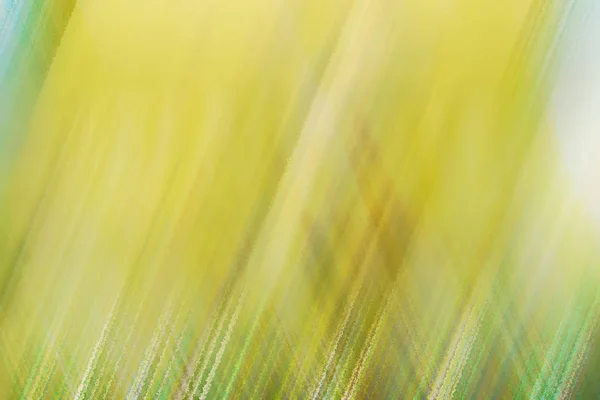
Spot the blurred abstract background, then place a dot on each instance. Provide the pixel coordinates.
(299, 199)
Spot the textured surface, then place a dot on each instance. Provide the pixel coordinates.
(292, 199)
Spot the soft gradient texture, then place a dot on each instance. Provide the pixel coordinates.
(299, 199)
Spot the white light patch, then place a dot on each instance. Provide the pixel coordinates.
(576, 107)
